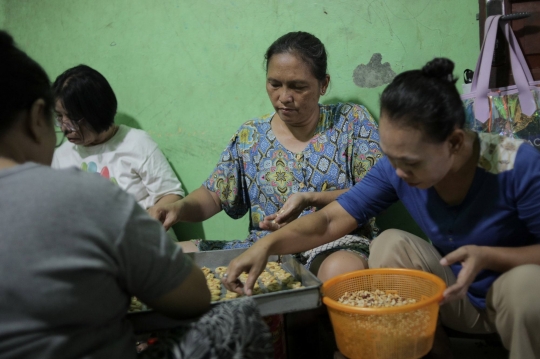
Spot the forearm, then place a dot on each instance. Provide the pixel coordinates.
(310, 231)
(502, 259)
(321, 199)
(165, 200)
(198, 206)
(168, 198)
(188, 300)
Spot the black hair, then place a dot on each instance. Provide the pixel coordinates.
(425, 99)
(86, 94)
(22, 82)
(310, 49)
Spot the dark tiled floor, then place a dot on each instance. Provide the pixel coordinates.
(476, 349)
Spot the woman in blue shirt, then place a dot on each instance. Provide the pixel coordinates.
(476, 196)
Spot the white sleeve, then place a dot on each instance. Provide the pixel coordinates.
(55, 163)
(158, 178)
(59, 153)
(65, 156)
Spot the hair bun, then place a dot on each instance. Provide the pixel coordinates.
(441, 68)
(6, 40)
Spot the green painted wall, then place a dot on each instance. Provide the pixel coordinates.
(190, 72)
(2, 13)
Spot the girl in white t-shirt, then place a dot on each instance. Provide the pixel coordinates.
(85, 107)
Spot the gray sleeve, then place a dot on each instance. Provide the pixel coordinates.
(151, 264)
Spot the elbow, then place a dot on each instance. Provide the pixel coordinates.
(189, 300)
(198, 305)
(204, 302)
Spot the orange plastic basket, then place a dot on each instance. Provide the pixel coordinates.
(404, 332)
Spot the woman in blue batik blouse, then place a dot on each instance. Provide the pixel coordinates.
(291, 162)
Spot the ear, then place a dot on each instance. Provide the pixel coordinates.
(456, 140)
(324, 84)
(38, 123)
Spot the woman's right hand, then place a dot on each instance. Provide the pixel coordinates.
(290, 211)
(252, 261)
(198, 206)
(167, 214)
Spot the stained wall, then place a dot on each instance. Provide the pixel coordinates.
(190, 72)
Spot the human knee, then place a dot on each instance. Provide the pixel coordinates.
(188, 246)
(385, 247)
(340, 262)
(517, 291)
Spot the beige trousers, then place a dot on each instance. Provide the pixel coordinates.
(513, 302)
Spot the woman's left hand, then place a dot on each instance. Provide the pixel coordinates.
(292, 208)
(472, 261)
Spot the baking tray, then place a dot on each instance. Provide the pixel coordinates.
(281, 302)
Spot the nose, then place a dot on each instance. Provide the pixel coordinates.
(66, 124)
(401, 173)
(63, 123)
(285, 95)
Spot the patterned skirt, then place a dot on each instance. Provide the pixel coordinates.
(230, 330)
